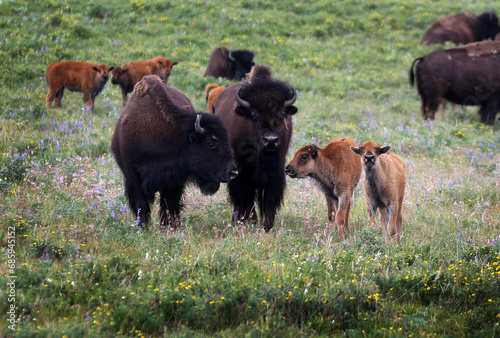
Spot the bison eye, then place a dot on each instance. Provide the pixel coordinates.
(212, 142)
(304, 157)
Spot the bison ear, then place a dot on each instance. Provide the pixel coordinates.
(314, 153)
(125, 70)
(356, 150)
(95, 69)
(175, 63)
(291, 110)
(111, 68)
(383, 150)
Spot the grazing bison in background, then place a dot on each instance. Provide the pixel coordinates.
(462, 28)
(132, 72)
(258, 116)
(336, 170)
(231, 64)
(467, 75)
(384, 185)
(88, 78)
(161, 144)
(212, 91)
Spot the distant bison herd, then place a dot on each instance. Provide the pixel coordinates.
(161, 143)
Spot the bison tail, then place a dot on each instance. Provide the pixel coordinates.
(412, 74)
(208, 89)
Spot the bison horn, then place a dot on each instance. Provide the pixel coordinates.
(230, 56)
(240, 101)
(292, 99)
(197, 125)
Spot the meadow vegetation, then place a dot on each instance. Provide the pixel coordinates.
(84, 268)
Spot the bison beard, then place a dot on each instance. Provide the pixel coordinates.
(161, 144)
(257, 114)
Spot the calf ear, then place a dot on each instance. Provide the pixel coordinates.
(95, 69)
(111, 68)
(291, 110)
(125, 70)
(175, 63)
(314, 153)
(356, 150)
(383, 150)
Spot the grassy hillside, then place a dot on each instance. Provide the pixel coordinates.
(79, 264)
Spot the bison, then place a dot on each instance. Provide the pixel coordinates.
(258, 116)
(231, 64)
(466, 75)
(384, 185)
(336, 170)
(132, 72)
(462, 28)
(212, 91)
(160, 144)
(88, 78)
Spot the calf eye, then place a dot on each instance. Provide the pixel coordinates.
(304, 157)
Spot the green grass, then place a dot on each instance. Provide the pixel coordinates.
(84, 269)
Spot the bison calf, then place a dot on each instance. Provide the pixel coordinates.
(336, 170)
(212, 91)
(85, 77)
(161, 144)
(132, 72)
(384, 185)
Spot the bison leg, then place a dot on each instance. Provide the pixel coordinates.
(332, 208)
(242, 196)
(372, 211)
(488, 112)
(124, 97)
(89, 100)
(170, 205)
(59, 95)
(272, 196)
(399, 220)
(139, 202)
(340, 219)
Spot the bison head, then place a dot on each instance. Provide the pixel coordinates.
(117, 75)
(166, 66)
(489, 26)
(302, 163)
(209, 154)
(240, 63)
(268, 105)
(102, 71)
(369, 152)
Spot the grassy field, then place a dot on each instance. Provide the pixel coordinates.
(74, 264)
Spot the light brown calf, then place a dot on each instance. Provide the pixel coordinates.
(88, 78)
(212, 91)
(384, 184)
(132, 72)
(336, 170)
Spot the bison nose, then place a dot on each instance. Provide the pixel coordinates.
(233, 173)
(270, 141)
(369, 159)
(113, 81)
(289, 171)
(105, 77)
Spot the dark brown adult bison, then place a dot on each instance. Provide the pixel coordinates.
(462, 28)
(258, 116)
(231, 64)
(88, 78)
(468, 75)
(161, 144)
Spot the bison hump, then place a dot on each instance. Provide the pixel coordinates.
(482, 48)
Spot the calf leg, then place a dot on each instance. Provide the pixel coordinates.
(342, 216)
(124, 97)
(59, 96)
(331, 205)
